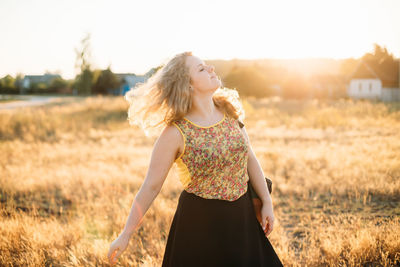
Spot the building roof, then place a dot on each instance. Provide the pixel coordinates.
(46, 78)
(388, 76)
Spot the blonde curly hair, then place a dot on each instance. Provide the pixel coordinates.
(166, 97)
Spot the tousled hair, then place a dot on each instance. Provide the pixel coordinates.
(166, 97)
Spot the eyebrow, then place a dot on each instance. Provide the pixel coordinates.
(199, 65)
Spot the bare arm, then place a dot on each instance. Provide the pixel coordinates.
(163, 156)
(256, 174)
(265, 214)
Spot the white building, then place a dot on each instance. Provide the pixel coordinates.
(369, 83)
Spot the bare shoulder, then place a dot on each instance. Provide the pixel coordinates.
(170, 133)
(171, 139)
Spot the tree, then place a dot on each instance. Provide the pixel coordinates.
(39, 88)
(248, 81)
(106, 80)
(381, 60)
(380, 54)
(84, 80)
(58, 85)
(7, 85)
(19, 83)
(8, 82)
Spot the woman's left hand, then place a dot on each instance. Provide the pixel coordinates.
(267, 218)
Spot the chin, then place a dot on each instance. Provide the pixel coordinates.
(218, 85)
(215, 88)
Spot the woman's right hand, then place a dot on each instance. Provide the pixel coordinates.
(117, 247)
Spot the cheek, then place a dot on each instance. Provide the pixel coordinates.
(201, 80)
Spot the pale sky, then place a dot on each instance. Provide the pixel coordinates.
(133, 36)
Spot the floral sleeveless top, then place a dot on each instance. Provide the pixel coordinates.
(213, 163)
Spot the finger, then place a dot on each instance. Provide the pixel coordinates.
(115, 259)
(264, 222)
(270, 220)
(118, 254)
(112, 257)
(266, 232)
(270, 228)
(110, 251)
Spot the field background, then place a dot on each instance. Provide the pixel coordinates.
(69, 174)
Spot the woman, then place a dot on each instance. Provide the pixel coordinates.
(214, 223)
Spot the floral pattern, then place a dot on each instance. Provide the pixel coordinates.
(213, 163)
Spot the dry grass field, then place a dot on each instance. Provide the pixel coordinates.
(69, 174)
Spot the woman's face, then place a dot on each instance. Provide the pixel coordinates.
(202, 76)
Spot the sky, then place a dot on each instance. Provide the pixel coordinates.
(38, 36)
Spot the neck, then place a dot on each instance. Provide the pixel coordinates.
(203, 107)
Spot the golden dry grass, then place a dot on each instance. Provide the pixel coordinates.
(69, 174)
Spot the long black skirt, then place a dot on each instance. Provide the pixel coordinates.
(214, 232)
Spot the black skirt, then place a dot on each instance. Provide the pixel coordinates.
(214, 232)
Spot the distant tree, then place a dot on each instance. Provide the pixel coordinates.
(7, 85)
(84, 80)
(18, 83)
(8, 82)
(107, 80)
(248, 81)
(380, 54)
(381, 60)
(58, 85)
(96, 75)
(39, 88)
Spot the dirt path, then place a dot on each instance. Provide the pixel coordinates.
(32, 100)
